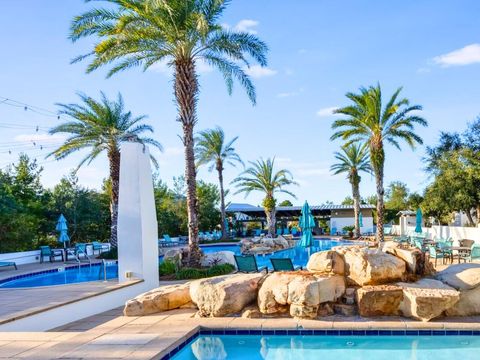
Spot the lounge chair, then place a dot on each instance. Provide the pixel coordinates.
(284, 264)
(279, 232)
(8, 263)
(81, 250)
(100, 247)
(169, 240)
(258, 232)
(286, 231)
(333, 231)
(294, 231)
(46, 251)
(387, 230)
(248, 264)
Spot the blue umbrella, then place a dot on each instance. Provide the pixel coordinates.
(307, 223)
(418, 227)
(360, 220)
(62, 228)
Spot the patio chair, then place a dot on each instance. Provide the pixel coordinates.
(467, 243)
(333, 231)
(81, 250)
(294, 231)
(434, 254)
(100, 247)
(387, 230)
(286, 231)
(46, 251)
(474, 253)
(169, 240)
(8, 263)
(279, 232)
(284, 264)
(248, 264)
(258, 232)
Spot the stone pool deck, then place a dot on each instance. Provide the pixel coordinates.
(111, 335)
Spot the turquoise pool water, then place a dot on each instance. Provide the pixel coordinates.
(75, 274)
(253, 347)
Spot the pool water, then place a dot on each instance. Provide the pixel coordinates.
(259, 347)
(70, 275)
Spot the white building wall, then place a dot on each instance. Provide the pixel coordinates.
(340, 222)
(456, 232)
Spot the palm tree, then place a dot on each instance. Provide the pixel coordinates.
(352, 160)
(261, 176)
(370, 121)
(179, 33)
(101, 126)
(211, 147)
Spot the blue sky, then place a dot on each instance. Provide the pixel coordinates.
(319, 50)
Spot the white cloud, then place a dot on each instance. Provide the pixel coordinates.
(467, 55)
(247, 25)
(39, 138)
(256, 71)
(328, 111)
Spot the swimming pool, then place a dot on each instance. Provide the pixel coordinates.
(95, 272)
(287, 347)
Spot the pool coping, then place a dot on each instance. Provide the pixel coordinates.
(20, 315)
(182, 342)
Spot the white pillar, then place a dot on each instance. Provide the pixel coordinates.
(137, 219)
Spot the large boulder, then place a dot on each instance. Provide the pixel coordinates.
(326, 262)
(300, 293)
(224, 295)
(427, 299)
(281, 242)
(379, 300)
(160, 299)
(219, 257)
(364, 266)
(414, 258)
(466, 279)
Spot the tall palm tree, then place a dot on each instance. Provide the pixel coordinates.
(370, 121)
(352, 160)
(261, 176)
(101, 126)
(179, 33)
(212, 148)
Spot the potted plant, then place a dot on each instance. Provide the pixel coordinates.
(349, 229)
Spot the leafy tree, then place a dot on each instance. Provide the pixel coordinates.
(212, 148)
(208, 200)
(347, 201)
(352, 160)
(368, 120)
(182, 33)
(285, 203)
(101, 126)
(261, 176)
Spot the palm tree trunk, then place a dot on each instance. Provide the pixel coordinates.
(377, 156)
(114, 160)
(470, 218)
(186, 91)
(222, 202)
(356, 207)
(271, 222)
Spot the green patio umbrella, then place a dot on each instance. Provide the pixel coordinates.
(62, 228)
(307, 223)
(360, 220)
(418, 227)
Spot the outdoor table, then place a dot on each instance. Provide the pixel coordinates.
(460, 249)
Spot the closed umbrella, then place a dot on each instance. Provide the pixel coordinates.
(307, 223)
(360, 220)
(62, 228)
(418, 227)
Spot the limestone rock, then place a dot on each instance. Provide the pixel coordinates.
(379, 300)
(224, 295)
(251, 312)
(219, 257)
(466, 279)
(345, 310)
(161, 299)
(364, 266)
(427, 299)
(413, 257)
(281, 242)
(325, 262)
(301, 293)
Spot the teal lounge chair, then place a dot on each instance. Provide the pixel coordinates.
(248, 264)
(387, 230)
(169, 240)
(279, 232)
(100, 247)
(294, 231)
(81, 250)
(46, 251)
(286, 231)
(8, 263)
(258, 232)
(333, 231)
(284, 264)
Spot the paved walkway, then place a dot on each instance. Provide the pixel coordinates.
(111, 335)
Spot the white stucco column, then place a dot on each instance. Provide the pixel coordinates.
(137, 219)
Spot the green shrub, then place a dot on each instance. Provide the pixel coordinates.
(167, 267)
(216, 270)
